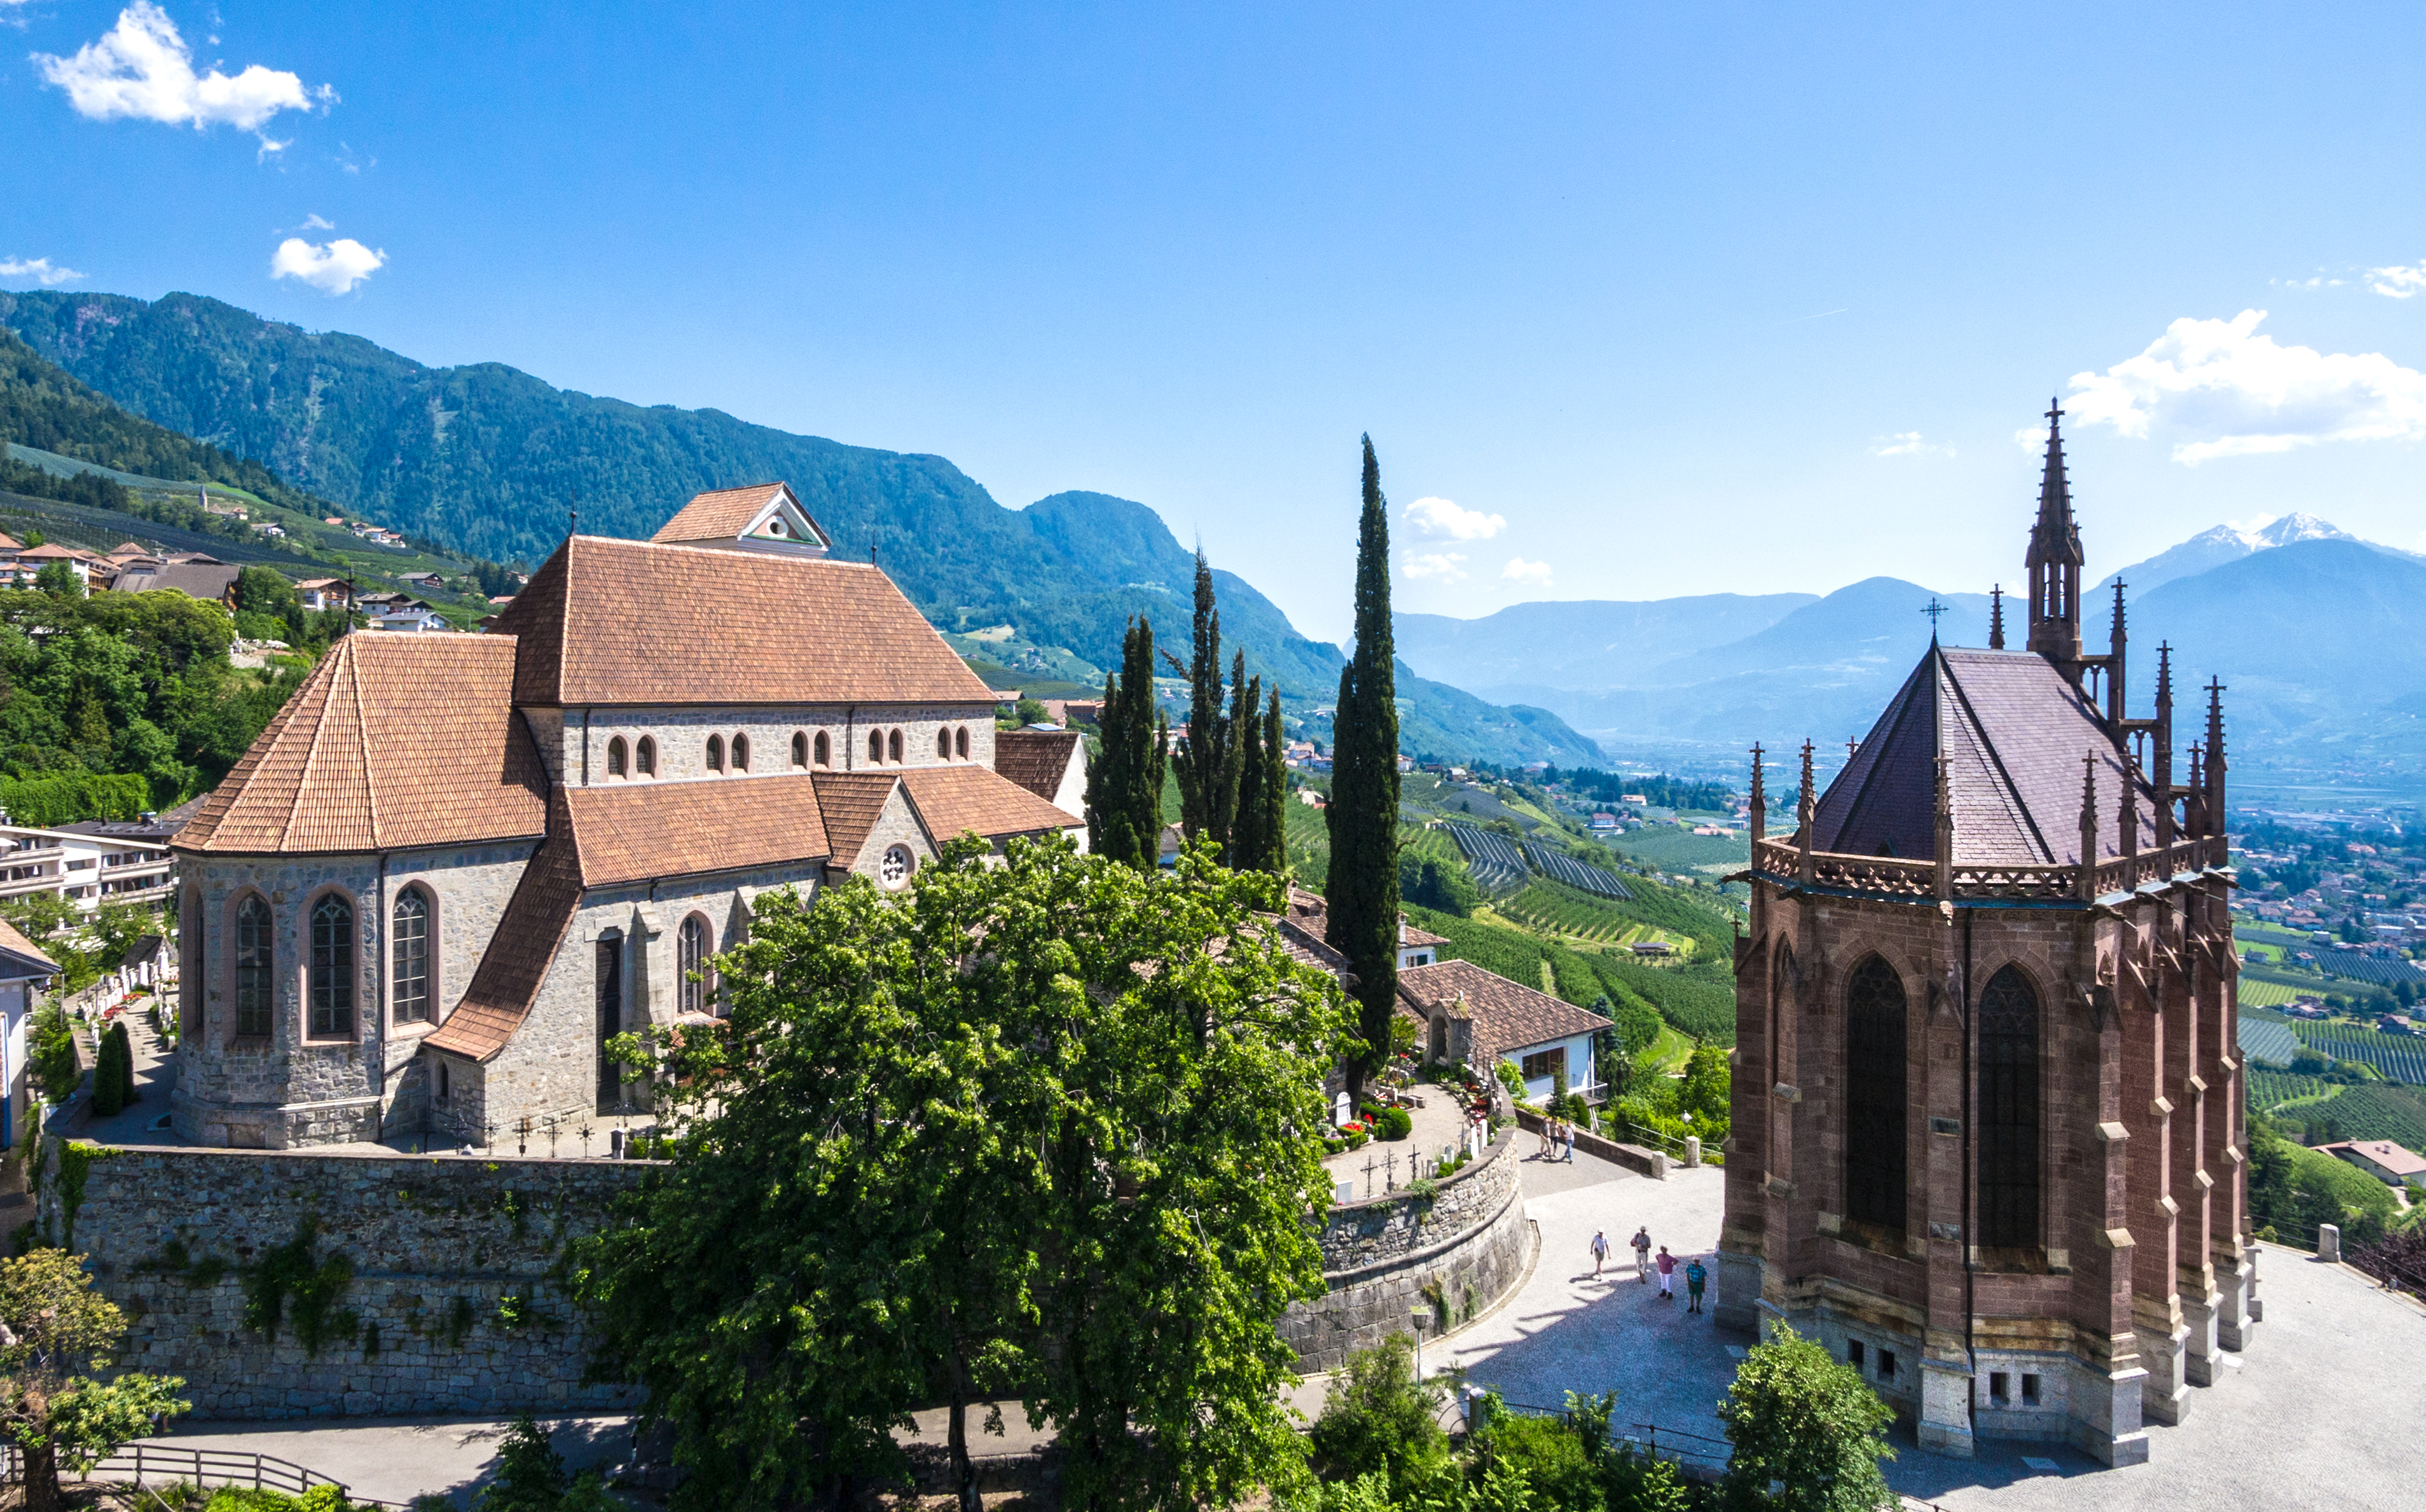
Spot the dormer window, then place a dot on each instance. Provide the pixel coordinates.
(716, 753)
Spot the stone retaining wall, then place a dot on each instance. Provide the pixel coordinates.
(1651, 1163)
(438, 1244)
(1466, 1246)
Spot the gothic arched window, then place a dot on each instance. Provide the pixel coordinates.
(691, 961)
(1875, 1102)
(741, 753)
(616, 757)
(331, 985)
(825, 751)
(716, 753)
(410, 947)
(2008, 1112)
(943, 744)
(799, 748)
(255, 958)
(648, 757)
(961, 739)
(894, 752)
(876, 745)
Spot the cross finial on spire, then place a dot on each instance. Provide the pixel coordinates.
(2054, 413)
(1933, 610)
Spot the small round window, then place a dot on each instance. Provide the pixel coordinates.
(894, 870)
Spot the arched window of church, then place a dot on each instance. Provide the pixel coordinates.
(409, 939)
(716, 753)
(876, 745)
(1875, 1104)
(741, 753)
(692, 962)
(943, 744)
(331, 989)
(648, 757)
(616, 755)
(2008, 1112)
(255, 958)
(799, 748)
(825, 751)
(894, 747)
(961, 739)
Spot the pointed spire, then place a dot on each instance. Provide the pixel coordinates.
(1759, 799)
(1996, 618)
(2194, 809)
(1945, 832)
(1805, 811)
(2163, 776)
(2215, 762)
(2054, 558)
(2088, 824)
(2116, 691)
(2126, 813)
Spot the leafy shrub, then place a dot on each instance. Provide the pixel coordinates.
(1807, 1433)
(1377, 1418)
(1396, 1123)
(56, 1068)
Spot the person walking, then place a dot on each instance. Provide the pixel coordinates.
(1696, 1277)
(1667, 1273)
(1642, 1254)
(1600, 1251)
(1569, 1130)
(1542, 1139)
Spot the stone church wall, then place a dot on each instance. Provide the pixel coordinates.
(438, 1244)
(1469, 1241)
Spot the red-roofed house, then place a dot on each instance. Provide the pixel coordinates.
(2389, 1163)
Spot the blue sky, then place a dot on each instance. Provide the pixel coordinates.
(1650, 299)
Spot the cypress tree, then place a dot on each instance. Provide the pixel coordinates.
(1208, 789)
(1124, 781)
(1364, 814)
(127, 1097)
(1247, 759)
(1275, 830)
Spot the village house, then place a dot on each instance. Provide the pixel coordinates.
(88, 864)
(24, 972)
(453, 867)
(194, 579)
(1476, 1017)
(318, 593)
(2393, 1165)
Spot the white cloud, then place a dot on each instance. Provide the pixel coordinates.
(2030, 438)
(37, 268)
(336, 267)
(141, 69)
(1447, 567)
(1532, 574)
(1440, 517)
(1909, 443)
(2245, 395)
(2397, 282)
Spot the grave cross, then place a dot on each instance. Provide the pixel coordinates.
(1368, 1176)
(1392, 1172)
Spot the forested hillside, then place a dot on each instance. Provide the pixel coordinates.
(487, 460)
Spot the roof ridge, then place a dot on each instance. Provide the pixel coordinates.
(2011, 790)
(363, 734)
(338, 666)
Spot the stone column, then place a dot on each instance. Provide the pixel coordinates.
(2156, 1312)
(2188, 1090)
(2104, 1401)
(2232, 1261)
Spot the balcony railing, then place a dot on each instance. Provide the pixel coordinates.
(1895, 876)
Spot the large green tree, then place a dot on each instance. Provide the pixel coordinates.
(1364, 812)
(1124, 781)
(1806, 1433)
(59, 1403)
(1047, 1129)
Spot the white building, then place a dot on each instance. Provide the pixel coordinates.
(25, 971)
(90, 863)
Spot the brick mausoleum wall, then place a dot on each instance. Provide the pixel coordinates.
(437, 1243)
(1381, 1254)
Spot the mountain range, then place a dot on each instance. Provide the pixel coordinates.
(2319, 636)
(487, 459)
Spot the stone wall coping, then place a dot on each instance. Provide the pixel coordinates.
(1651, 1163)
(1491, 1152)
(333, 1154)
(1336, 1278)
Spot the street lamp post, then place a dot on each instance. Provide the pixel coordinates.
(1418, 1315)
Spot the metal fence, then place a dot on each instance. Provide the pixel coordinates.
(146, 1466)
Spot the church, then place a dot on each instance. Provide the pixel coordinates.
(1988, 1145)
(454, 866)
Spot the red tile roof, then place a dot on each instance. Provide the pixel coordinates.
(952, 800)
(724, 514)
(1036, 759)
(625, 622)
(852, 802)
(633, 831)
(17, 944)
(393, 741)
(529, 935)
(1507, 1015)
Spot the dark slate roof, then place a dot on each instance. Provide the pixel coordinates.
(2014, 733)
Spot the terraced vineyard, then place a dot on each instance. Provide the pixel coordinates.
(2269, 1042)
(2398, 1057)
(2257, 994)
(2270, 1089)
(2375, 969)
(1565, 868)
(1555, 910)
(1493, 857)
